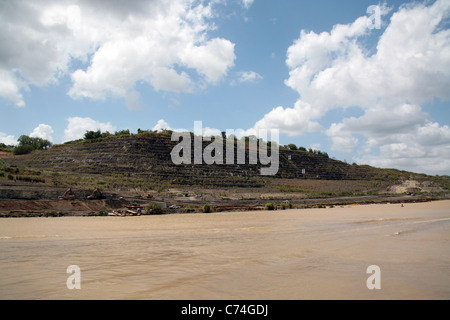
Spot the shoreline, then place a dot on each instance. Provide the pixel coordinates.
(88, 208)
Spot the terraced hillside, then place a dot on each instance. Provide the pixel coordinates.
(144, 161)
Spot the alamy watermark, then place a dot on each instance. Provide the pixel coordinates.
(214, 153)
(374, 281)
(74, 280)
(374, 21)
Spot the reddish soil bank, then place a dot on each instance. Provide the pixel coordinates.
(61, 207)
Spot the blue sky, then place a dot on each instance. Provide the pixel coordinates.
(312, 69)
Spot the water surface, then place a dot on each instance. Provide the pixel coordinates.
(292, 254)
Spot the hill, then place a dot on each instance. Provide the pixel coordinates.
(142, 163)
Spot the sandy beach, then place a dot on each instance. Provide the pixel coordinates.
(284, 254)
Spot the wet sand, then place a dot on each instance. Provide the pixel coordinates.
(285, 254)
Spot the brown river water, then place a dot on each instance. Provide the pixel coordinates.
(274, 255)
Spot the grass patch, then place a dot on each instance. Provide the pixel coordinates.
(207, 208)
(53, 214)
(100, 213)
(3, 164)
(153, 208)
(270, 206)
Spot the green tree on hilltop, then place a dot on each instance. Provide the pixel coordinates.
(92, 135)
(28, 144)
(36, 143)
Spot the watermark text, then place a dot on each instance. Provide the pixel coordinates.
(235, 150)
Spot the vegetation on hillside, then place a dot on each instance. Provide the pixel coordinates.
(126, 161)
(96, 136)
(7, 148)
(293, 147)
(29, 144)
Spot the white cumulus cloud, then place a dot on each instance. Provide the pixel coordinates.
(10, 88)
(410, 67)
(165, 44)
(77, 127)
(162, 125)
(249, 76)
(9, 140)
(247, 3)
(291, 121)
(43, 131)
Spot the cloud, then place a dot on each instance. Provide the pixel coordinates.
(343, 140)
(162, 125)
(210, 132)
(246, 77)
(7, 139)
(10, 88)
(165, 44)
(291, 121)
(43, 131)
(412, 62)
(247, 3)
(205, 131)
(421, 147)
(410, 67)
(249, 76)
(424, 149)
(378, 124)
(77, 127)
(212, 60)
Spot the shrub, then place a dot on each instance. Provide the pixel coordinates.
(153, 208)
(207, 208)
(3, 164)
(3, 146)
(122, 133)
(287, 205)
(270, 206)
(53, 213)
(146, 132)
(92, 135)
(106, 134)
(101, 213)
(23, 149)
